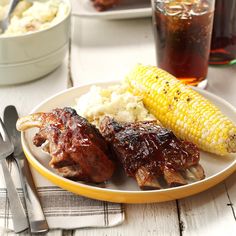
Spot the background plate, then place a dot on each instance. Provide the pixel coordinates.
(121, 188)
(126, 9)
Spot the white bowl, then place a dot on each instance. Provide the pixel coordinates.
(30, 56)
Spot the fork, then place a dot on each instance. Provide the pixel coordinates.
(19, 218)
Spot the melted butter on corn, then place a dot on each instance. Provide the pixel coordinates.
(188, 114)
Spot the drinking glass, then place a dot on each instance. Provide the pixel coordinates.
(182, 31)
(223, 44)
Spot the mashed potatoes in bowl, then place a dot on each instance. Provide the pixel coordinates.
(30, 16)
(36, 41)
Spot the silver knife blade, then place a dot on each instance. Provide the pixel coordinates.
(36, 216)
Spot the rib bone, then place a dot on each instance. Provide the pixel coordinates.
(30, 121)
(173, 178)
(146, 180)
(198, 172)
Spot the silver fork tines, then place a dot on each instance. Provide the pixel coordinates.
(19, 218)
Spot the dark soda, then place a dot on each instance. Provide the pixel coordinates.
(223, 45)
(183, 34)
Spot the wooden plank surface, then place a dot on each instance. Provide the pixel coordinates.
(230, 186)
(142, 220)
(207, 213)
(106, 50)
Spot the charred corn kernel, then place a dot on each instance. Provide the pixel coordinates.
(188, 114)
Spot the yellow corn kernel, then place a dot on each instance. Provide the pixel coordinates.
(188, 114)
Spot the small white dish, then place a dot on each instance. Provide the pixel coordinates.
(125, 10)
(24, 72)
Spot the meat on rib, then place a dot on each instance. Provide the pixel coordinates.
(77, 148)
(150, 153)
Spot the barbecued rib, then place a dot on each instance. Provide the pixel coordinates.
(77, 148)
(149, 153)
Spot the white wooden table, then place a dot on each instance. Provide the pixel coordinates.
(106, 50)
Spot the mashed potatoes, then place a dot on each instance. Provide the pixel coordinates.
(114, 101)
(30, 16)
(3, 8)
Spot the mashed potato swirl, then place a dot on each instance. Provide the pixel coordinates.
(114, 101)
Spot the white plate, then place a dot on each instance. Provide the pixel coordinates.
(121, 188)
(126, 9)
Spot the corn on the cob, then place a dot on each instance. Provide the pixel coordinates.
(179, 108)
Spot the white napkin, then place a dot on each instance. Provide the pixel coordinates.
(63, 210)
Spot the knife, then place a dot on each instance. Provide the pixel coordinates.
(36, 216)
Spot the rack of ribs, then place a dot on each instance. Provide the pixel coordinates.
(151, 154)
(77, 148)
(102, 5)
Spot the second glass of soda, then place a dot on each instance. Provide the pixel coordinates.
(182, 30)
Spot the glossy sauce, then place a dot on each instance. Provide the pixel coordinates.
(146, 144)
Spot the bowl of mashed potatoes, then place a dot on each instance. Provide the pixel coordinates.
(35, 41)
